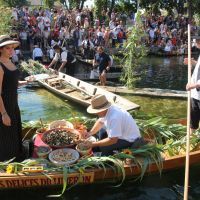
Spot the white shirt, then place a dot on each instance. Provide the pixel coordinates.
(37, 52)
(56, 57)
(85, 43)
(63, 57)
(119, 123)
(51, 53)
(196, 79)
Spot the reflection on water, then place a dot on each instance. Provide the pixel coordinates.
(164, 73)
(39, 103)
(36, 104)
(166, 108)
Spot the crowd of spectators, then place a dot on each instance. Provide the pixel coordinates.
(80, 30)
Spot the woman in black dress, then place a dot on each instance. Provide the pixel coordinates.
(10, 120)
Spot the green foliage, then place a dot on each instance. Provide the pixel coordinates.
(14, 3)
(99, 6)
(33, 67)
(49, 3)
(155, 5)
(78, 4)
(126, 6)
(5, 20)
(134, 53)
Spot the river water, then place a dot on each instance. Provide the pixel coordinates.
(160, 73)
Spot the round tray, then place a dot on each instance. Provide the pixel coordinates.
(71, 152)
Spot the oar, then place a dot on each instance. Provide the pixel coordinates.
(187, 160)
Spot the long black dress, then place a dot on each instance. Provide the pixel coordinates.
(10, 136)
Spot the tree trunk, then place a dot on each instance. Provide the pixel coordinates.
(82, 4)
(112, 5)
(189, 10)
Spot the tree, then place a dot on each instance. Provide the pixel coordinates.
(5, 21)
(99, 6)
(169, 5)
(134, 52)
(14, 3)
(78, 4)
(49, 3)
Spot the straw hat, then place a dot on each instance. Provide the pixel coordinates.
(99, 103)
(6, 40)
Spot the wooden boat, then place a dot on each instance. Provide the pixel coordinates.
(33, 180)
(81, 92)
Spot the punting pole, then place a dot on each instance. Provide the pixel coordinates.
(187, 160)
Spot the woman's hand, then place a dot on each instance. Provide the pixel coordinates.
(6, 119)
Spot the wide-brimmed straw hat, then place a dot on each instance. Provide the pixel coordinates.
(99, 103)
(7, 40)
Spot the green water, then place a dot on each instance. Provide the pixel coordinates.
(166, 108)
(39, 103)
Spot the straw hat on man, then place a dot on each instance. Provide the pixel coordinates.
(116, 129)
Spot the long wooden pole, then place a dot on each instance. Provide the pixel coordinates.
(187, 161)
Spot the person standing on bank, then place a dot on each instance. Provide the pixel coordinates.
(37, 53)
(63, 59)
(103, 61)
(117, 129)
(10, 120)
(194, 86)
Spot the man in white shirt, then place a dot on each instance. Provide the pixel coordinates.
(37, 53)
(88, 48)
(63, 59)
(121, 130)
(194, 86)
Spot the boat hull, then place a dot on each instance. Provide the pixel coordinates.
(34, 180)
(81, 92)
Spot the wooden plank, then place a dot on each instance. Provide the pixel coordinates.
(67, 90)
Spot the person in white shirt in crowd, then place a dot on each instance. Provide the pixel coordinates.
(51, 53)
(17, 55)
(115, 127)
(168, 47)
(15, 14)
(37, 53)
(46, 35)
(194, 87)
(40, 23)
(23, 39)
(46, 21)
(151, 35)
(112, 24)
(86, 23)
(88, 48)
(63, 59)
(100, 40)
(114, 34)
